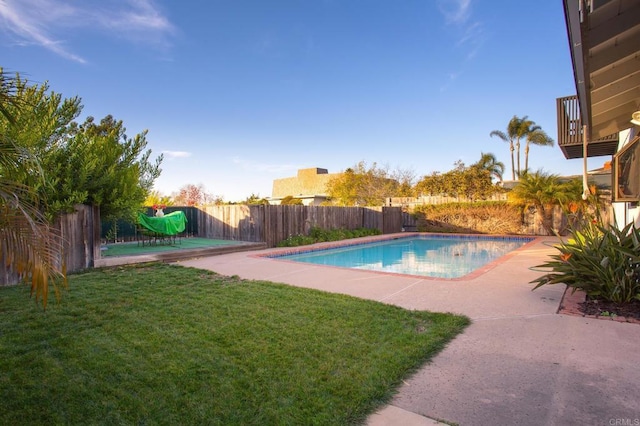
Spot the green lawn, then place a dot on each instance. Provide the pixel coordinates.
(164, 344)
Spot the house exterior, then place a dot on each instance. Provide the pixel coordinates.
(309, 185)
(603, 119)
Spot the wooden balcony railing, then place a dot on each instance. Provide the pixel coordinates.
(570, 132)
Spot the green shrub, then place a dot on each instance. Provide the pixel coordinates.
(601, 260)
(291, 201)
(319, 235)
(296, 240)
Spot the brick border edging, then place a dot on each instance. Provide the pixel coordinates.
(570, 305)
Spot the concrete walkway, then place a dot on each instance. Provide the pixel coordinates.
(519, 363)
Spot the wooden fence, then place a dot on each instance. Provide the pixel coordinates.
(80, 231)
(256, 223)
(272, 224)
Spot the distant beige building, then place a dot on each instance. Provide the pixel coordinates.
(310, 186)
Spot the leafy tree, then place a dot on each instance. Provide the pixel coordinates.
(468, 182)
(405, 179)
(433, 184)
(542, 191)
(155, 198)
(113, 170)
(255, 199)
(42, 123)
(194, 195)
(362, 186)
(91, 163)
(28, 244)
(473, 182)
(289, 200)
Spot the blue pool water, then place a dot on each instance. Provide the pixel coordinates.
(441, 257)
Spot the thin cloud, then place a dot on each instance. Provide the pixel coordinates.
(46, 22)
(176, 154)
(451, 78)
(140, 21)
(31, 28)
(456, 12)
(472, 39)
(469, 32)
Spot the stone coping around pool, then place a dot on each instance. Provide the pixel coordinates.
(286, 251)
(570, 305)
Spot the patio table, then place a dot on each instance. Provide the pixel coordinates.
(160, 228)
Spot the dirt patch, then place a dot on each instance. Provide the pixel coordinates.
(602, 308)
(578, 304)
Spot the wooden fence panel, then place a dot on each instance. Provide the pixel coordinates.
(372, 217)
(80, 232)
(232, 222)
(409, 222)
(392, 220)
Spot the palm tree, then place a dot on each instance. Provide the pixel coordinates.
(509, 137)
(526, 127)
(490, 163)
(516, 130)
(535, 136)
(542, 191)
(28, 245)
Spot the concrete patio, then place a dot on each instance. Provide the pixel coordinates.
(519, 363)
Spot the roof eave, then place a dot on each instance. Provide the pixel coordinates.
(574, 18)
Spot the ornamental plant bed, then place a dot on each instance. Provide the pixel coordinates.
(578, 303)
(602, 262)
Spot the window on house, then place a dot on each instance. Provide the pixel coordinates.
(626, 172)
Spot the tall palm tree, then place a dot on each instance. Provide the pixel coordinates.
(509, 136)
(28, 245)
(490, 163)
(523, 130)
(517, 128)
(535, 136)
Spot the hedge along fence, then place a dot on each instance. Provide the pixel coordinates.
(489, 218)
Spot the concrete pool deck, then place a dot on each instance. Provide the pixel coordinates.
(519, 362)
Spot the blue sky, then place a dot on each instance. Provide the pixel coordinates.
(239, 93)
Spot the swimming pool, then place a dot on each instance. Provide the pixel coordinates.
(425, 255)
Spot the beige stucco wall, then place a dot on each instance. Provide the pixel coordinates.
(308, 182)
